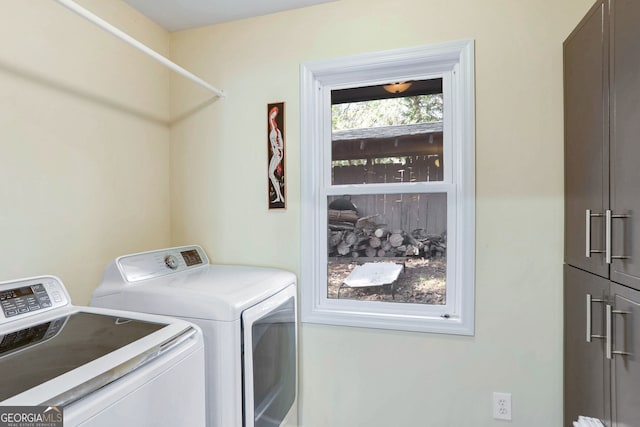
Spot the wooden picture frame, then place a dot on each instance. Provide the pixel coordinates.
(275, 155)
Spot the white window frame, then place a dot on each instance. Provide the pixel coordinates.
(454, 63)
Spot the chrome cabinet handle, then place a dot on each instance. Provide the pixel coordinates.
(591, 300)
(607, 251)
(587, 221)
(608, 330)
(609, 351)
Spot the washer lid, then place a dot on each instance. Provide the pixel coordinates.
(213, 292)
(61, 359)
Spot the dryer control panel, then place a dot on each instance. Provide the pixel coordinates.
(24, 297)
(154, 264)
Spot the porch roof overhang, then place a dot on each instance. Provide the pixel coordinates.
(405, 140)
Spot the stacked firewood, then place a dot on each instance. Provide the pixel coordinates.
(353, 236)
(433, 245)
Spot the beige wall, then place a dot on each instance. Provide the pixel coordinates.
(84, 142)
(359, 377)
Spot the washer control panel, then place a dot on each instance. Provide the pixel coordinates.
(150, 265)
(29, 296)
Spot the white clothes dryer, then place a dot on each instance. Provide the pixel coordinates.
(248, 317)
(96, 367)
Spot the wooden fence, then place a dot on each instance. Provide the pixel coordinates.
(416, 169)
(405, 211)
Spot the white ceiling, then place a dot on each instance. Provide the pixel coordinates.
(176, 15)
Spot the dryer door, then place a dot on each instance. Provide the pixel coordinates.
(269, 362)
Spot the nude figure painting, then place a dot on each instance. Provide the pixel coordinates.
(275, 155)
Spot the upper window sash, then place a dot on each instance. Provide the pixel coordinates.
(449, 116)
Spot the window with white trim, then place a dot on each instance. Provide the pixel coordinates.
(388, 190)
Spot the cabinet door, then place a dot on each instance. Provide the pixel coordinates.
(586, 370)
(586, 140)
(625, 368)
(625, 141)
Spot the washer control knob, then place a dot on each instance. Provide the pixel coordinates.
(171, 261)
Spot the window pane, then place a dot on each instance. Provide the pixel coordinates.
(384, 137)
(387, 247)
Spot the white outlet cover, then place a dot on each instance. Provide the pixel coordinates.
(502, 406)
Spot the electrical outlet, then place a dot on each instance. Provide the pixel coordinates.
(502, 406)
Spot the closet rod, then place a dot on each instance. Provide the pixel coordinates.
(135, 43)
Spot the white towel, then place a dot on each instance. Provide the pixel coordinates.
(587, 422)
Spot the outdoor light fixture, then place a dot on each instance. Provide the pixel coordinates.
(397, 87)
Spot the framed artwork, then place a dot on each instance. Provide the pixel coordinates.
(275, 151)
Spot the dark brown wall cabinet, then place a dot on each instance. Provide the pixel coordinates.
(602, 216)
(601, 350)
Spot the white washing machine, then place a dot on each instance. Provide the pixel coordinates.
(97, 367)
(248, 317)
